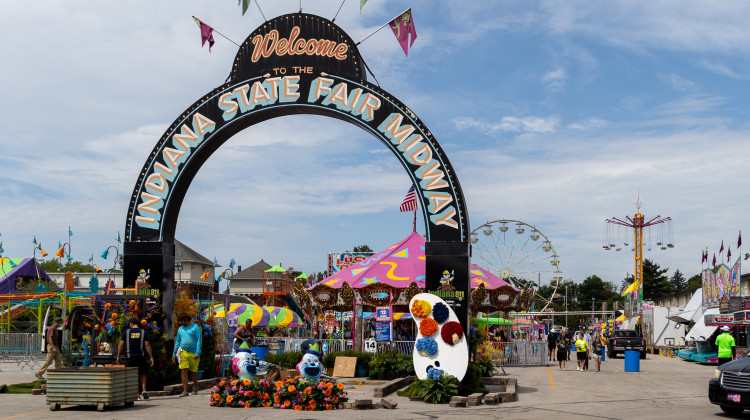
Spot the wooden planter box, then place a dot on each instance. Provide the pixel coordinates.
(99, 386)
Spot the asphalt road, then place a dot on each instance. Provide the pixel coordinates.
(663, 389)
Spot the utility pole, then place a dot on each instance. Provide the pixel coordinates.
(566, 306)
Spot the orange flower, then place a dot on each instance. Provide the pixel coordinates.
(114, 314)
(287, 403)
(291, 388)
(297, 408)
(312, 403)
(329, 407)
(247, 404)
(216, 397)
(310, 408)
(265, 395)
(250, 394)
(230, 398)
(221, 383)
(132, 303)
(428, 327)
(329, 385)
(335, 400)
(327, 393)
(276, 399)
(340, 386)
(267, 404)
(308, 390)
(112, 323)
(279, 384)
(234, 382)
(246, 382)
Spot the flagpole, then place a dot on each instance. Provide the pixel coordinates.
(382, 26)
(225, 37)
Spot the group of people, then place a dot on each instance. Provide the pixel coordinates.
(135, 347)
(585, 345)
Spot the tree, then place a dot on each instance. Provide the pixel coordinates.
(363, 248)
(54, 266)
(695, 282)
(678, 282)
(655, 281)
(594, 289)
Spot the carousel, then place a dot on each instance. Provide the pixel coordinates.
(395, 275)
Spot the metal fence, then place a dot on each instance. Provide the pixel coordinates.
(520, 353)
(24, 349)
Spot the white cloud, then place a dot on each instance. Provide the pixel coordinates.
(509, 124)
(587, 124)
(676, 82)
(555, 79)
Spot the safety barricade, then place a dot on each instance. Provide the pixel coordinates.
(520, 353)
(24, 349)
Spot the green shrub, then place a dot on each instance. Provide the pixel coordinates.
(329, 360)
(472, 381)
(285, 360)
(433, 391)
(393, 361)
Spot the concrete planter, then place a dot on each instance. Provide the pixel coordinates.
(98, 386)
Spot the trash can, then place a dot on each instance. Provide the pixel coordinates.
(632, 361)
(260, 351)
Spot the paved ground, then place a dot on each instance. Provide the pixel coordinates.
(663, 389)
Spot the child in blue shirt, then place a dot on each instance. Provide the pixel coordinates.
(187, 346)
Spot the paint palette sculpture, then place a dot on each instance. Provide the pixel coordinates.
(441, 343)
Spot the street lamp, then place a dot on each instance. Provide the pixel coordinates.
(566, 306)
(105, 254)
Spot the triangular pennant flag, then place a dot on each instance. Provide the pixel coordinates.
(70, 232)
(59, 244)
(91, 258)
(739, 240)
(98, 270)
(60, 252)
(204, 276)
(207, 33)
(38, 246)
(231, 263)
(117, 237)
(729, 253)
(105, 254)
(403, 26)
(714, 261)
(216, 263)
(245, 5)
(44, 253)
(361, 5)
(12, 264)
(1, 249)
(218, 278)
(722, 247)
(34, 241)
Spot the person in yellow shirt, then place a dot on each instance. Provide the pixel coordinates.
(725, 341)
(582, 351)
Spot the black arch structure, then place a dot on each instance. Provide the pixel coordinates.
(319, 71)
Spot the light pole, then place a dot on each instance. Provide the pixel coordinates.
(566, 306)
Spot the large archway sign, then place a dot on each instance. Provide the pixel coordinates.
(295, 64)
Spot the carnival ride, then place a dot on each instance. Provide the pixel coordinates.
(518, 253)
(634, 292)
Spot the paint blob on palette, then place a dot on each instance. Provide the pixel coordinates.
(441, 343)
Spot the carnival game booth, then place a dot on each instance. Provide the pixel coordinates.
(393, 276)
(702, 336)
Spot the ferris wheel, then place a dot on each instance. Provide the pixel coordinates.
(517, 253)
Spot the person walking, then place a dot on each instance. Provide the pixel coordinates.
(187, 350)
(563, 345)
(53, 338)
(551, 342)
(581, 352)
(597, 346)
(136, 345)
(566, 336)
(725, 341)
(587, 337)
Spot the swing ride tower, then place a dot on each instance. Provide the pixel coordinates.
(637, 223)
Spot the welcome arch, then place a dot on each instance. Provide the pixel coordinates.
(294, 64)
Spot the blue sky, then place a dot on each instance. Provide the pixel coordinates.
(553, 113)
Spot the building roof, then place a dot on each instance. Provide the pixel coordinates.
(256, 272)
(183, 252)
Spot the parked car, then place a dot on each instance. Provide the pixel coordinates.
(729, 386)
(622, 340)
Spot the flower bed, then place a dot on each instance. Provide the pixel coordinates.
(294, 394)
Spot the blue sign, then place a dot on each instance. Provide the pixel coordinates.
(383, 313)
(382, 331)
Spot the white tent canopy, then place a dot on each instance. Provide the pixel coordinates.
(693, 307)
(701, 331)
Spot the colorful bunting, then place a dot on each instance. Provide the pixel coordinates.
(207, 33)
(403, 26)
(410, 201)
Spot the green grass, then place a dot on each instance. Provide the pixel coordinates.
(24, 388)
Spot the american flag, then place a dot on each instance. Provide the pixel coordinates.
(410, 201)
